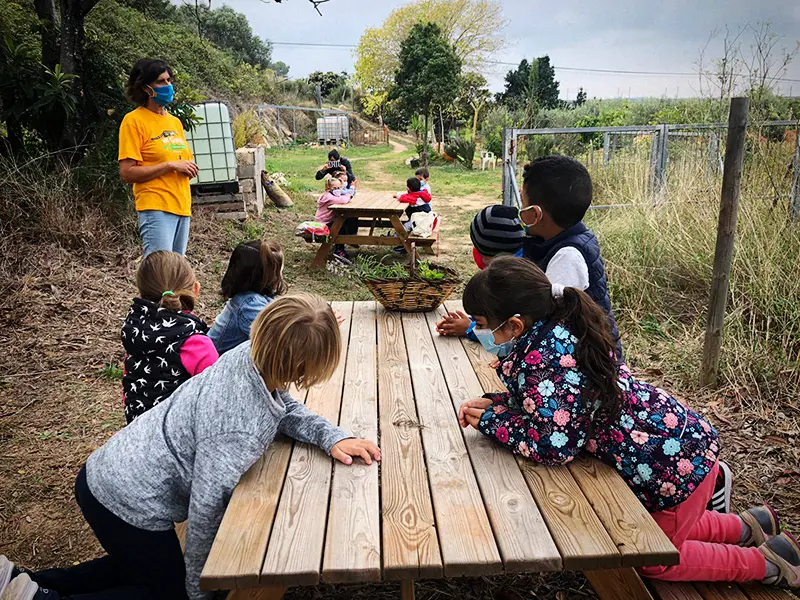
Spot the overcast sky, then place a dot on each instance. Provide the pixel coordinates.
(630, 35)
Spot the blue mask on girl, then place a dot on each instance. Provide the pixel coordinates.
(486, 338)
(164, 94)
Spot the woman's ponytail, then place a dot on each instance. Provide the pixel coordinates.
(595, 350)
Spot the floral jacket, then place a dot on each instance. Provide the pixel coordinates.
(660, 447)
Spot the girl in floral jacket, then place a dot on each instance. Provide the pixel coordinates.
(566, 394)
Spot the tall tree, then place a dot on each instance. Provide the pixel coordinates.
(429, 73)
(531, 85)
(327, 81)
(474, 27)
(475, 94)
(543, 82)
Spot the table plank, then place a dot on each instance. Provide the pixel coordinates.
(294, 554)
(410, 542)
(352, 543)
(638, 537)
(520, 531)
(673, 590)
(465, 536)
(238, 552)
(581, 538)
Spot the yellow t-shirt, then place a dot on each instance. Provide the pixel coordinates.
(150, 139)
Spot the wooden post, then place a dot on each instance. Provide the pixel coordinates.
(726, 232)
(794, 194)
(606, 148)
(407, 589)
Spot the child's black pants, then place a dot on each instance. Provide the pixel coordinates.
(140, 565)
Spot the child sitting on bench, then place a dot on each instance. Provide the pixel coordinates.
(182, 459)
(326, 215)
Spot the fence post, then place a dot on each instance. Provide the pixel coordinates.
(664, 156)
(278, 120)
(507, 194)
(726, 232)
(794, 200)
(606, 148)
(655, 162)
(294, 128)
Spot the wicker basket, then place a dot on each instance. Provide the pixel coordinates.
(414, 294)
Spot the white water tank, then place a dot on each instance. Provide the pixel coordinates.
(333, 128)
(211, 141)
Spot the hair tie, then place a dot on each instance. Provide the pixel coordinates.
(557, 290)
(168, 293)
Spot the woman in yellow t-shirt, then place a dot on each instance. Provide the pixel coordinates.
(155, 157)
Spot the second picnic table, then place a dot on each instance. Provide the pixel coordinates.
(375, 210)
(444, 502)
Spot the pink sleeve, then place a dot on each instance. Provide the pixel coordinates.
(198, 353)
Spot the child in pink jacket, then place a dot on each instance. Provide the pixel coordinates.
(326, 215)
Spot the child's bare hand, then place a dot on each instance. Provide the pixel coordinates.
(338, 315)
(471, 411)
(453, 323)
(494, 363)
(345, 450)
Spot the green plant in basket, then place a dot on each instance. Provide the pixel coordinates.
(426, 271)
(369, 267)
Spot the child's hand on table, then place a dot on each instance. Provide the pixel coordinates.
(345, 450)
(338, 315)
(471, 411)
(453, 323)
(494, 363)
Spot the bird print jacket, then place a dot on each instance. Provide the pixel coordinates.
(152, 337)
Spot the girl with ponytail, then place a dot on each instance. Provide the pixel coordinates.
(567, 393)
(165, 343)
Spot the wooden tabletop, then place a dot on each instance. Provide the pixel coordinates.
(378, 203)
(444, 501)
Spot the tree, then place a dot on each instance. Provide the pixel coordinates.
(63, 43)
(531, 86)
(517, 87)
(475, 93)
(429, 73)
(580, 99)
(327, 81)
(473, 27)
(543, 82)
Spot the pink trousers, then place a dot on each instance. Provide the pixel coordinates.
(706, 541)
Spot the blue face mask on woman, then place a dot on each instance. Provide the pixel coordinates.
(163, 94)
(486, 338)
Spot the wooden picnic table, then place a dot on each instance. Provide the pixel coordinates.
(376, 210)
(445, 502)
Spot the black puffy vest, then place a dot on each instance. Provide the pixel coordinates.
(152, 337)
(540, 251)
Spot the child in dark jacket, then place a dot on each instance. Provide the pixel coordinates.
(183, 459)
(556, 193)
(165, 343)
(568, 394)
(254, 279)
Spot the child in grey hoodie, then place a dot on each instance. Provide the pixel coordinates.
(182, 459)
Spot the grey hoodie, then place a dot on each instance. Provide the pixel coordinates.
(183, 458)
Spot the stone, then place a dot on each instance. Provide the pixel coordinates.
(245, 156)
(247, 185)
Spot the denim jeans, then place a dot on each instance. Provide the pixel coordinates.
(163, 231)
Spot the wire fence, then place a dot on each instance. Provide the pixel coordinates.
(667, 163)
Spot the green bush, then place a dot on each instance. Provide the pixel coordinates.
(461, 148)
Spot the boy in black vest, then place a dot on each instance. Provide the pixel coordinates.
(556, 193)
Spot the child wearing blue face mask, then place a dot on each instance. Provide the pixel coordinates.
(567, 394)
